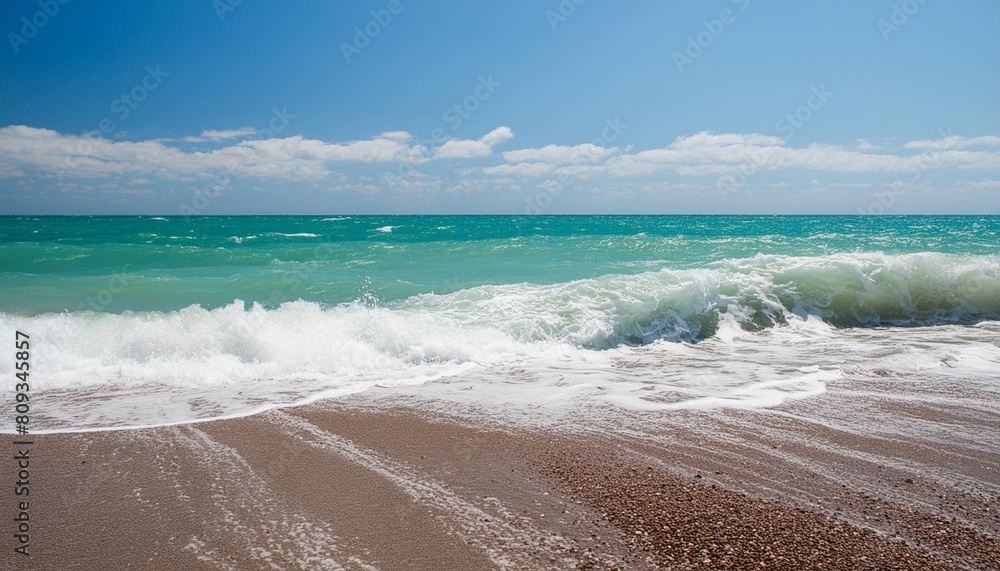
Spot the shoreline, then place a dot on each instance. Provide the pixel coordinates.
(389, 481)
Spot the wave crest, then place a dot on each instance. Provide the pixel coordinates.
(846, 290)
(490, 324)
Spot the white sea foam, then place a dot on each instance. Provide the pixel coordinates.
(751, 332)
(386, 229)
(239, 239)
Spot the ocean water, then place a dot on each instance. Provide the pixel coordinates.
(140, 321)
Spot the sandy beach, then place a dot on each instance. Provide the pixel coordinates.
(396, 481)
(499, 286)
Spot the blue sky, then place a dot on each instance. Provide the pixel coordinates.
(741, 106)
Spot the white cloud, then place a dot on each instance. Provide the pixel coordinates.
(978, 185)
(24, 149)
(864, 145)
(470, 148)
(586, 153)
(27, 151)
(581, 171)
(497, 136)
(400, 136)
(706, 138)
(705, 153)
(522, 169)
(955, 142)
(214, 135)
(298, 149)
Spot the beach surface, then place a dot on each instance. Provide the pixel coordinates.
(890, 478)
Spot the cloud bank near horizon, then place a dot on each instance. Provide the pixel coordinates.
(30, 152)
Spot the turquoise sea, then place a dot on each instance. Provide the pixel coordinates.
(171, 319)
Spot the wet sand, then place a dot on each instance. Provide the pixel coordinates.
(395, 481)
